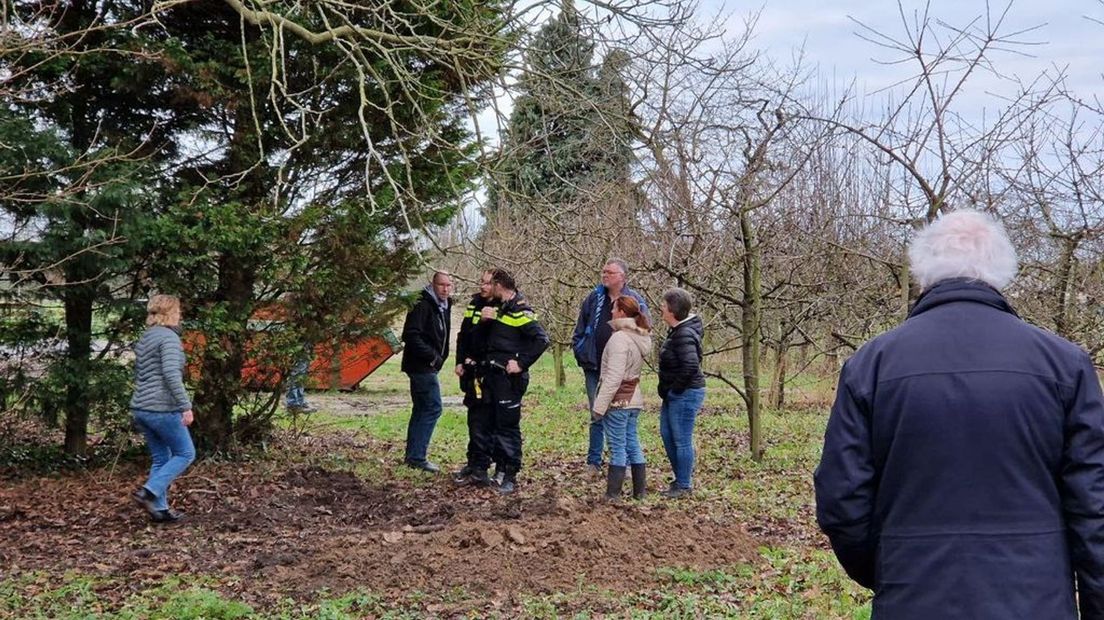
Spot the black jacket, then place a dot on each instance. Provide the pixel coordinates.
(515, 334)
(426, 335)
(471, 341)
(962, 475)
(680, 358)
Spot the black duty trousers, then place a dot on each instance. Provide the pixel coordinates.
(480, 423)
(502, 393)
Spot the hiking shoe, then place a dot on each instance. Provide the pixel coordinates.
(145, 499)
(506, 487)
(423, 465)
(477, 478)
(676, 492)
(462, 476)
(166, 516)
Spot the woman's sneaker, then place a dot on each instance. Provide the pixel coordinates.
(145, 499)
(166, 516)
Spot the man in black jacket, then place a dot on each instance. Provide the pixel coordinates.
(425, 336)
(681, 386)
(471, 357)
(514, 341)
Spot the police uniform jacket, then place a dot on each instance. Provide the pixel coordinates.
(515, 335)
(471, 341)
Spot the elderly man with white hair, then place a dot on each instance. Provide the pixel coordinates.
(963, 466)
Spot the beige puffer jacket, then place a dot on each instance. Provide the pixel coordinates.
(622, 359)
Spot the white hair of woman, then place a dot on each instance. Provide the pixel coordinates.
(963, 244)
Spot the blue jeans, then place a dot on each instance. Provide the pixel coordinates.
(296, 395)
(170, 447)
(425, 392)
(597, 436)
(624, 443)
(676, 427)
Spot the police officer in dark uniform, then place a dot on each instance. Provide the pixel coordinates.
(471, 366)
(514, 341)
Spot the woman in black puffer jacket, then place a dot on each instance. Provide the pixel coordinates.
(681, 386)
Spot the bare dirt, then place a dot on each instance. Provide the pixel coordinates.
(266, 531)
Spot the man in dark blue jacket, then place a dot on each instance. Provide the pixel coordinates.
(425, 338)
(592, 332)
(963, 466)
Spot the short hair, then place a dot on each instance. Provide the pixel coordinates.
(679, 301)
(620, 263)
(163, 310)
(631, 308)
(503, 278)
(963, 244)
(433, 278)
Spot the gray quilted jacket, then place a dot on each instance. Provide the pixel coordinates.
(159, 372)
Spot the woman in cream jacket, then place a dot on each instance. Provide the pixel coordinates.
(619, 398)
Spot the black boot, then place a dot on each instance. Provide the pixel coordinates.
(638, 481)
(614, 479)
(508, 484)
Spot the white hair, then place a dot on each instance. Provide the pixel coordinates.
(963, 244)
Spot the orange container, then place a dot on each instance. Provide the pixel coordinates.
(335, 366)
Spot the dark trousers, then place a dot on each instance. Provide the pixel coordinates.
(480, 424)
(425, 392)
(503, 394)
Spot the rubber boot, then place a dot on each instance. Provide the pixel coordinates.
(638, 481)
(614, 479)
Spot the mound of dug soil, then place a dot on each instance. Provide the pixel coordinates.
(270, 535)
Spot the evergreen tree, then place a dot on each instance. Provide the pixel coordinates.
(95, 119)
(569, 134)
(328, 212)
(221, 157)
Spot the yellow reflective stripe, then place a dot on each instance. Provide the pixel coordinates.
(515, 321)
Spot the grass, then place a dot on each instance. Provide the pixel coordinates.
(790, 580)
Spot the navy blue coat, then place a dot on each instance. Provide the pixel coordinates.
(963, 466)
(585, 341)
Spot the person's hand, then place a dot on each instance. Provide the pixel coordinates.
(459, 370)
(188, 418)
(512, 367)
(488, 313)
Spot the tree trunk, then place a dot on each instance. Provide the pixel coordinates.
(220, 383)
(220, 387)
(558, 362)
(906, 289)
(1061, 290)
(750, 325)
(778, 389)
(78, 334)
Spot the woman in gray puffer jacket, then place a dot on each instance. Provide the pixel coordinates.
(160, 405)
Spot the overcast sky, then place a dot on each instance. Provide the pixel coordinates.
(825, 28)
